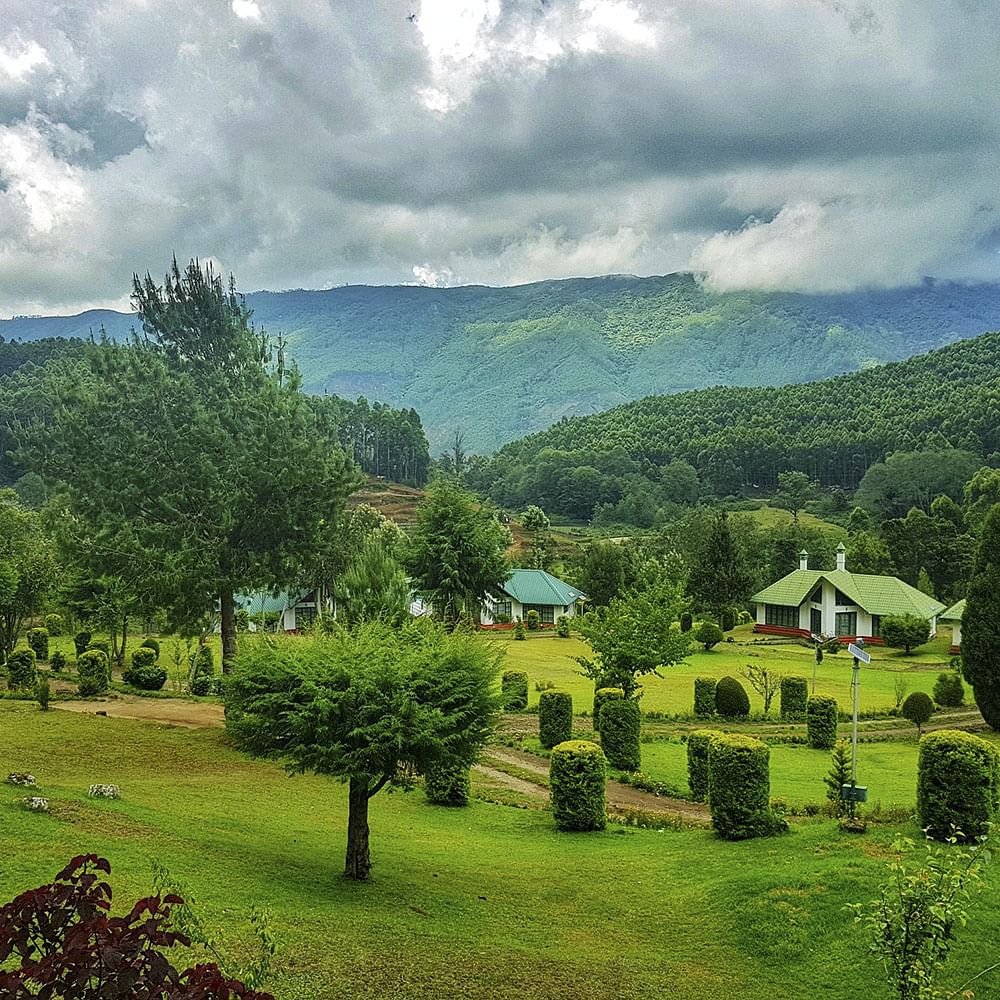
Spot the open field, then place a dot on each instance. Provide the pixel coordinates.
(484, 902)
(776, 517)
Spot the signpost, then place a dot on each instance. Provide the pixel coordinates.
(853, 792)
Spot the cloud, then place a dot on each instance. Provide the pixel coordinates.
(819, 145)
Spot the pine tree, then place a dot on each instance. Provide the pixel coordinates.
(838, 775)
(981, 623)
(721, 578)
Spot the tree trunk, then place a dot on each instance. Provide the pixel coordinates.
(228, 609)
(359, 862)
(121, 652)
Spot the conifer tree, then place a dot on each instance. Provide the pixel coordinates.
(981, 623)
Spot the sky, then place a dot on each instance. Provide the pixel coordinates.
(802, 145)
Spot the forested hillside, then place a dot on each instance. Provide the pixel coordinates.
(498, 363)
(832, 430)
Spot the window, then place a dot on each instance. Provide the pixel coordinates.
(876, 625)
(847, 624)
(304, 617)
(816, 621)
(843, 599)
(546, 612)
(781, 615)
(502, 609)
(817, 595)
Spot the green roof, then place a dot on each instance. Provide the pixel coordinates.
(273, 603)
(955, 612)
(878, 595)
(535, 586)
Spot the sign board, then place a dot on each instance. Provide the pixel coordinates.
(859, 654)
(854, 793)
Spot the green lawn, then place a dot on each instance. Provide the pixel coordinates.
(485, 902)
(774, 517)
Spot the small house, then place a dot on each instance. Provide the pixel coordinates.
(527, 590)
(954, 616)
(285, 611)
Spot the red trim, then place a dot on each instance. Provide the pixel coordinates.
(955, 650)
(781, 630)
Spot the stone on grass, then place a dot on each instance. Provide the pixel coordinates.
(104, 792)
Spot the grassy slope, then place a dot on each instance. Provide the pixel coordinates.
(485, 902)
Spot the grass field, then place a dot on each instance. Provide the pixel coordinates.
(486, 902)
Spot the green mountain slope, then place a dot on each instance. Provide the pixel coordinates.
(502, 362)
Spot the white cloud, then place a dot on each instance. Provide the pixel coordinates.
(18, 58)
(246, 10)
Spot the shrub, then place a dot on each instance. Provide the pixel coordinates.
(577, 776)
(739, 788)
(202, 670)
(838, 776)
(948, 691)
(958, 784)
(242, 620)
(519, 629)
(697, 759)
(57, 661)
(731, 699)
(555, 718)
(155, 646)
(101, 644)
(81, 641)
(54, 623)
(514, 690)
(686, 621)
(918, 708)
(447, 784)
(708, 634)
(905, 631)
(620, 725)
(146, 677)
(92, 666)
(22, 673)
(794, 696)
(38, 640)
(562, 627)
(704, 696)
(42, 693)
(821, 721)
(727, 621)
(533, 620)
(143, 657)
(602, 695)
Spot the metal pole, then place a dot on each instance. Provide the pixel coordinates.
(854, 734)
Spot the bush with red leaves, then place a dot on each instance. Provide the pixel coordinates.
(71, 948)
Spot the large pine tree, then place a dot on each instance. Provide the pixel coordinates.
(981, 623)
(721, 579)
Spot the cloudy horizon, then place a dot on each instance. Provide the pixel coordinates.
(801, 145)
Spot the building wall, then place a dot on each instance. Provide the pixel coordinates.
(517, 611)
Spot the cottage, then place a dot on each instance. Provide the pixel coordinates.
(532, 590)
(838, 603)
(954, 615)
(295, 610)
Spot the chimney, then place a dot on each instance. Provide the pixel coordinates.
(841, 557)
(803, 559)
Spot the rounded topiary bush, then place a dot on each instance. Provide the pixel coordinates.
(555, 717)
(948, 690)
(38, 640)
(739, 788)
(143, 657)
(731, 699)
(704, 696)
(101, 644)
(447, 784)
(821, 721)
(918, 709)
(92, 666)
(514, 690)
(577, 776)
(602, 695)
(958, 784)
(562, 626)
(202, 671)
(533, 620)
(697, 760)
(794, 696)
(154, 645)
(82, 641)
(147, 677)
(54, 623)
(620, 725)
(57, 661)
(22, 674)
(727, 620)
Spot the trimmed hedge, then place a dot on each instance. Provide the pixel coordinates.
(731, 699)
(555, 717)
(143, 657)
(620, 725)
(821, 721)
(918, 709)
(739, 788)
(704, 696)
(38, 640)
(202, 671)
(101, 644)
(82, 641)
(57, 661)
(146, 677)
(514, 690)
(22, 673)
(447, 784)
(794, 696)
(602, 695)
(154, 645)
(54, 623)
(577, 775)
(949, 691)
(562, 626)
(958, 784)
(92, 666)
(697, 757)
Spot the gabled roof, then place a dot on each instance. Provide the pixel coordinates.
(955, 612)
(878, 595)
(535, 586)
(273, 603)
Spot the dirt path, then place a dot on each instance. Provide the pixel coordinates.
(168, 711)
(528, 788)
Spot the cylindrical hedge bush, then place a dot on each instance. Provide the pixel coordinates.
(447, 784)
(54, 623)
(739, 787)
(82, 641)
(148, 677)
(686, 621)
(38, 640)
(704, 696)
(57, 661)
(794, 696)
(514, 690)
(92, 666)
(555, 717)
(22, 674)
(821, 721)
(143, 657)
(601, 695)
(154, 645)
(958, 784)
(948, 691)
(102, 644)
(620, 725)
(731, 699)
(577, 776)
(697, 757)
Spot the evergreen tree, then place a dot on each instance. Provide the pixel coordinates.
(720, 578)
(981, 623)
(608, 571)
